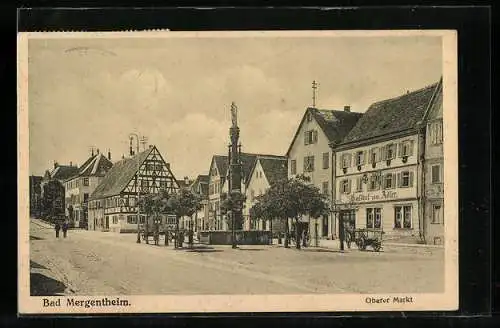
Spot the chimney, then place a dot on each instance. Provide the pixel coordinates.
(97, 151)
(92, 151)
(186, 181)
(123, 156)
(347, 108)
(168, 166)
(55, 164)
(150, 146)
(70, 163)
(109, 154)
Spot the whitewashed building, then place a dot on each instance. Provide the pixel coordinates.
(379, 167)
(266, 171)
(310, 154)
(79, 187)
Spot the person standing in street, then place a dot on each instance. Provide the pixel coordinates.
(65, 228)
(57, 227)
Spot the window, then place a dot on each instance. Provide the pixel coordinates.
(85, 197)
(345, 186)
(360, 158)
(163, 184)
(325, 188)
(436, 174)
(406, 148)
(326, 160)
(359, 184)
(389, 181)
(374, 155)
(309, 164)
(436, 132)
(310, 137)
(85, 181)
(390, 151)
(346, 160)
(309, 117)
(402, 217)
(132, 219)
(373, 218)
(214, 172)
(374, 182)
(436, 214)
(115, 219)
(293, 167)
(132, 201)
(405, 179)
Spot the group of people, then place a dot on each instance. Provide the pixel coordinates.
(64, 228)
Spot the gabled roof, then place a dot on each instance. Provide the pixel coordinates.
(275, 168)
(335, 124)
(63, 172)
(202, 183)
(392, 115)
(120, 175)
(96, 165)
(247, 163)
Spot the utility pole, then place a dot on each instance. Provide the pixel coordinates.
(314, 88)
(138, 208)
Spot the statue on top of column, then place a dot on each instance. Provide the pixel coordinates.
(234, 114)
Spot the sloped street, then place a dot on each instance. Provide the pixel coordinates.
(98, 263)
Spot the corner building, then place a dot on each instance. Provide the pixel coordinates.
(379, 167)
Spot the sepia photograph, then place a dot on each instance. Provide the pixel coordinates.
(237, 171)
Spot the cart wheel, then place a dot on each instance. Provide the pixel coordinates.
(361, 244)
(377, 246)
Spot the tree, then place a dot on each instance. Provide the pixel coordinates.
(154, 206)
(53, 200)
(181, 204)
(292, 199)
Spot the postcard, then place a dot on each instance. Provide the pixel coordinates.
(249, 171)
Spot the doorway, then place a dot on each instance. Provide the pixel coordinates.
(106, 223)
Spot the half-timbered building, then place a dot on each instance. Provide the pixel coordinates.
(113, 204)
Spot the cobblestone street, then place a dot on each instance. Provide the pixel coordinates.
(98, 263)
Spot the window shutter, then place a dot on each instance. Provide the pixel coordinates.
(410, 184)
(352, 160)
(306, 141)
(363, 158)
(382, 181)
(398, 181)
(383, 152)
(393, 185)
(410, 147)
(349, 186)
(400, 149)
(370, 152)
(315, 136)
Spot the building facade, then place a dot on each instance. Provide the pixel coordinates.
(79, 187)
(309, 154)
(218, 184)
(379, 170)
(52, 188)
(434, 173)
(265, 172)
(113, 204)
(200, 187)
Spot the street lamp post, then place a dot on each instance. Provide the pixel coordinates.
(138, 209)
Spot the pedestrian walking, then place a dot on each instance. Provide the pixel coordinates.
(57, 227)
(65, 228)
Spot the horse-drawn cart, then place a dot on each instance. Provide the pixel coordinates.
(368, 237)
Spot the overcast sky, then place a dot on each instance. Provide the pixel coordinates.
(178, 91)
